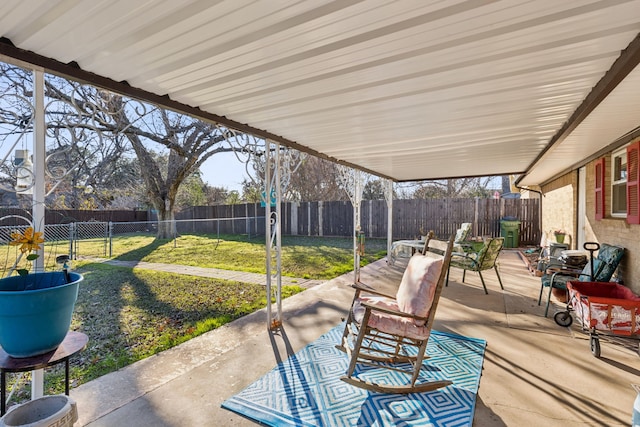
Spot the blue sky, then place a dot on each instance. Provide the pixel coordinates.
(224, 170)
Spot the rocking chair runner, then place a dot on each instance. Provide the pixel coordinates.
(392, 331)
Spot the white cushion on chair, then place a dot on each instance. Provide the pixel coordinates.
(418, 286)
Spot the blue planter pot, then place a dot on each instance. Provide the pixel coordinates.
(35, 311)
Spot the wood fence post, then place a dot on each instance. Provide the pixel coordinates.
(370, 218)
(294, 218)
(320, 205)
(475, 217)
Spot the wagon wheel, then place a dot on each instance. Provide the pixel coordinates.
(595, 345)
(563, 318)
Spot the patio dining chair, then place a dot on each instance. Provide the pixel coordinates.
(462, 234)
(484, 259)
(390, 331)
(600, 269)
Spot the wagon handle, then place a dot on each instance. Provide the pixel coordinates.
(591, 247)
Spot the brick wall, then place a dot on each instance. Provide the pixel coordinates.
(560, 207)
(613, 230)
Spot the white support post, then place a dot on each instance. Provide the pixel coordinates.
(273, 234)
(352, 180)
(278, 225)
(389, 199)
(267, 227)
(39, 154)
(357, 188)
(37, 384)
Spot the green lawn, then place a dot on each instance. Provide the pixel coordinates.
(305, 257)
(130, 314)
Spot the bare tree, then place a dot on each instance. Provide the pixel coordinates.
(317, 180)
(91, 130)
(453, 188)
(189, 142)
(81, 163)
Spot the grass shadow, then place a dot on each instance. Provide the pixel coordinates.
(138, 254)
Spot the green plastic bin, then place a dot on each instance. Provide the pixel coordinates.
(510, 230)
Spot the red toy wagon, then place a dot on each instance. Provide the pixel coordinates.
(605, 309)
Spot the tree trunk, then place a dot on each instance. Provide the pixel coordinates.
(166, 221)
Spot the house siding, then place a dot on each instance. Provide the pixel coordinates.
(559, 204)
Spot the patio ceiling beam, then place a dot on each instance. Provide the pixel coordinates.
(628, 60)
(73, 71)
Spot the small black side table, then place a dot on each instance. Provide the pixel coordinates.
(73, 343)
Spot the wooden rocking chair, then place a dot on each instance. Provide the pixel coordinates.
(392, 331)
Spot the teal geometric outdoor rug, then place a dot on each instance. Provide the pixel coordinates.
(306, 390)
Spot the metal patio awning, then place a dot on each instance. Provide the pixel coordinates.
(409, 89)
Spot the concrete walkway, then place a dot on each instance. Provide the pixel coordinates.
(240, 276)
(535, 373)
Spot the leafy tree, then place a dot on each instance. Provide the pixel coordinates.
(234, 198)
(251, 191)
(374, 190)
(215, 195)
(191, 192)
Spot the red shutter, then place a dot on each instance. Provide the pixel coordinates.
(633, 201)
(599, 200)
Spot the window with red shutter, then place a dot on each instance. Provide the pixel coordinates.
(633, 187)
(599, 189)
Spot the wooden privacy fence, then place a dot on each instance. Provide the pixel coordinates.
(67, 216)
(443, 216)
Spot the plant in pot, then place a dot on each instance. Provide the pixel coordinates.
(559, 235)
(35, 308)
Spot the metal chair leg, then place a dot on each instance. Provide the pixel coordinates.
(495, 267)
(540, 296)
(483, 284)
(546, 309)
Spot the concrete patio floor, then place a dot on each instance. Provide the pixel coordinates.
(535, 373)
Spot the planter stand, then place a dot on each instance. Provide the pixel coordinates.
(73, 343)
